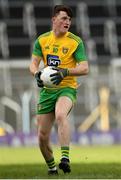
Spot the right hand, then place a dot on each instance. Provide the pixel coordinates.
(38, 79)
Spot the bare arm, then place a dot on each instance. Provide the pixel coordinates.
(81, 69)
(34, 66)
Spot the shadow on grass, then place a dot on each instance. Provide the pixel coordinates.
(79, 171)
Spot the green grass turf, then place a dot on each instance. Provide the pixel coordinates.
(89, 162)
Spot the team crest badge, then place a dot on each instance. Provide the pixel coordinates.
(64, 50)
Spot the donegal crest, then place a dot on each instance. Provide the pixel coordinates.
(64, 50)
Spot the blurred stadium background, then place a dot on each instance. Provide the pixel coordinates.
(96, 117)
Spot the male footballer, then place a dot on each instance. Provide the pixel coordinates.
(66, 53)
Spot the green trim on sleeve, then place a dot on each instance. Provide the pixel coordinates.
(74, 37)
(37, 49)
(80, 54)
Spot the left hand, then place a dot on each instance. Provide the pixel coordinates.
(59, 75)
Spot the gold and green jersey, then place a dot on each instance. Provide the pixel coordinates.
(64, 52)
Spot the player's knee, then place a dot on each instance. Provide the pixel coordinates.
(60, 117)
(42, 136)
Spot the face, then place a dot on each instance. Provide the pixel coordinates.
(61, 23)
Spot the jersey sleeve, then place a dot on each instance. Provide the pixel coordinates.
(80, 54)
(37, 51)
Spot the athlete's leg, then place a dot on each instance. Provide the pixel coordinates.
(45, 123)
(63, 107)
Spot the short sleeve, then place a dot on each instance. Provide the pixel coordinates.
(80, 54)
(37, 49)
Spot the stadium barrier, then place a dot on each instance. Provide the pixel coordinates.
(89, 138)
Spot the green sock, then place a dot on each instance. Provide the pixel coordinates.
(51, 164)
(65, 152)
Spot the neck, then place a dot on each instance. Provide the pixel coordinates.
(58, 34)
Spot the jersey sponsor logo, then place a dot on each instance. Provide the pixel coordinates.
(65, 50)
(53, 60)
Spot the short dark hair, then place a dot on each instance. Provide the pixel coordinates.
(65, 8)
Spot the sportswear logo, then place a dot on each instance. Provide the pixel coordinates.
(65, 50)
(39, 107)
(47, 47)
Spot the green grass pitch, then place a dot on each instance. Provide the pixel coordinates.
(87, 162)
